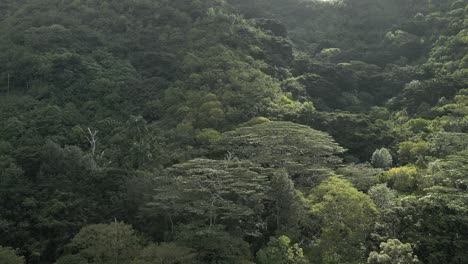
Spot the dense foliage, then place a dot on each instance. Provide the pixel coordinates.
(233, 131)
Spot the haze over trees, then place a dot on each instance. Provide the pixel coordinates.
(233, 131)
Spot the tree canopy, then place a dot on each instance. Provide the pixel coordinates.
(233, 131)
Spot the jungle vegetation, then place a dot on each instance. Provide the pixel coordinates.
(233, 131)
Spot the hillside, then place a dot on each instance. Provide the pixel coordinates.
(233, 131)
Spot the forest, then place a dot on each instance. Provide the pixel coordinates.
(233, 131)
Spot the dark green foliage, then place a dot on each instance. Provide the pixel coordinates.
(358, 133)
(442, 213)
(68, 191)
(113, 243)
(166, 253)
(284, 200)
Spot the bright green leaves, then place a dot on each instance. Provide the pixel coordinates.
(330, 54)
(346, 219)
(281, 251)
(409, 152)
(393, 252)
(336, 201)
(404, 179)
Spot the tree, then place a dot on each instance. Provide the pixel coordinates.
(72, 259)
(346, 218)
(213, 191)
(382, 196)
(403, 179)
(105, 244)
(357, 132)
(9, 256)
(445, 143)
(141, 141)
(72, 191)
(281, 251)
(362, 176)
(283, 195)
(213, 244)
(382, 158)
(409, 151)
(453, 171)
(165, 253)
(429, 222)
(305, 153)
(393, 252)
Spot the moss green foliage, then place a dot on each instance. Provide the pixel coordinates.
(233, 131)
(346, 218)
(9, 256)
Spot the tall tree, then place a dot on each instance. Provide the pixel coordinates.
(215, 192)
(346, 219)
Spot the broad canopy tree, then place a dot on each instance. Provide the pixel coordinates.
(305, 153)
(213, 191)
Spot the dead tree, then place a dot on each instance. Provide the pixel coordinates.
(92, 139)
